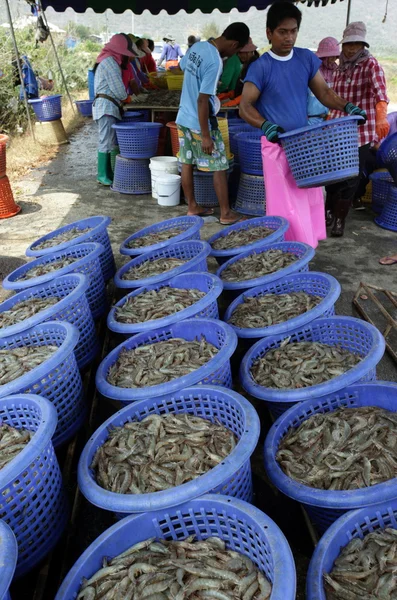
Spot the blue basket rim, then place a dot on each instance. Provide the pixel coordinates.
(130, 113)
(164, 499)
(383, 176)
(335, 499)
(102, 223)
(187, 313)
(284, 583)
(283, 226)
(8, 557)
(64, 350)
(343, 525)
(327, 302)
(11, 282)
(319, 390)
(197, 223)
(134, 283)
(132, 394)
(35, 100)
(39, 441)
(138, 125)
(81, 286)
(88, 101)
(252, 137)
(322, 125)
(247, 283)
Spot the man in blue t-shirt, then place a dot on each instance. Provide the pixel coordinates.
(200, 140)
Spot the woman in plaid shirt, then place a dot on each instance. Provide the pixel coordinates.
(361, 80)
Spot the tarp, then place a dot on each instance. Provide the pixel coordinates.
(171, 7)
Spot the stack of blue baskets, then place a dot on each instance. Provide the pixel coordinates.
(382, 182)
(251, 198)
(138, 143)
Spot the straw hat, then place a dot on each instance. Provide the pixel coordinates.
(355, 32)
(329, 46)
(250, 47)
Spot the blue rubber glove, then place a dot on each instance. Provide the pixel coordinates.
(271, 131)
(355, 111)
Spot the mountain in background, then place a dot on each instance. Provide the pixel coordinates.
(317, 22)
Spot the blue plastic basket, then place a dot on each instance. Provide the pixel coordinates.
(315, 284)
(88, 263)
(137, 140)
(382, 183)
(325, 506)
(57, 379)
(72, 307)
(132, 116)
(304, 252)
(323, 154)
(244, 528)
(195, 253)
(32, 499)
(250, 152)
(204, 191)
(131, 176)
(232, 477)
(8, 559)
(84, 107)
(387, 154)
(235, 128)
(357, 523)
(98, 233)
(278, 224)
(206, 308)
(191, 227)
(251, 195)
(48, 108)
(388, 217)
(215, 372)
(349, 333)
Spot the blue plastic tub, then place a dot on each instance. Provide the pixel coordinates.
(194, 252)
(206, 308)
(72, 307)
(88, 263)
(304, 252)
(57, 379)
(387, 154)
(315, 284)
(251, 195)
(382, 183)
(388, 217)
(232, 477)
(215, 372)
(32, 499)
(357, 523)
(191, 227)
(137, 140)
(250, 152)
(48, 108)
(323, 154)
(243, 527)
(84, 107)
(132, 116)
(351, 334)
(278, 224)
(8, 559)
(98, 233)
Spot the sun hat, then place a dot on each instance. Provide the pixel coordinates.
(168, 37)
(355, 32)
(250, 47)
(329, 46)
(138, 53)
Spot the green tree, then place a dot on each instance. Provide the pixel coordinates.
(210, 30)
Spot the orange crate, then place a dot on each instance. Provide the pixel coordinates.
(8, 208)
(174, 137)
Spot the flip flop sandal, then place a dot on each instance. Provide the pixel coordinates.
(232, 222)
(204, 213)
(393, 261)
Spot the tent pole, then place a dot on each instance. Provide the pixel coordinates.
(14, 41)
(349, 6)
(57, 57)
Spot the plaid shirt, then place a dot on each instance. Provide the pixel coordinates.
(365, 87)
(108, 81)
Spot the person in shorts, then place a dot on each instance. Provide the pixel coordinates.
(201, 143)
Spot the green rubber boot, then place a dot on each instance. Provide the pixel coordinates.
(113, 155)
(104, 169)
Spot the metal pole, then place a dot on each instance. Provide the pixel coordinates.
(349, 6)
(14, 41)
(57, 57)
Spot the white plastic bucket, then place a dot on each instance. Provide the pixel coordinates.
(160, 165)
(168, 189)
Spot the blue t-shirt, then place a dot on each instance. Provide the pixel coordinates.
(283, 83)
(203, 66)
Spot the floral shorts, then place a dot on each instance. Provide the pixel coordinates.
(191, 153)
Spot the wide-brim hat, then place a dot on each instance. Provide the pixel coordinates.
(137, 53)
(355, 32)
(328, 47)
(168, 37)
(250, 47)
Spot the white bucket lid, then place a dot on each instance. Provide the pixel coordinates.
(164, 159)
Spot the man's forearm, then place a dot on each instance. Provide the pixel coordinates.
(331, 100)
(249, 113)
(203, 115)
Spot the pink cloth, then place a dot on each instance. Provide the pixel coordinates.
(304, 209)
(126, 75)
(117, 47)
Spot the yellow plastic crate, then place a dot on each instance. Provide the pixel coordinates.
(174, 82)
(159, 80)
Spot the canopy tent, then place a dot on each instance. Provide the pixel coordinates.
(173, 7)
